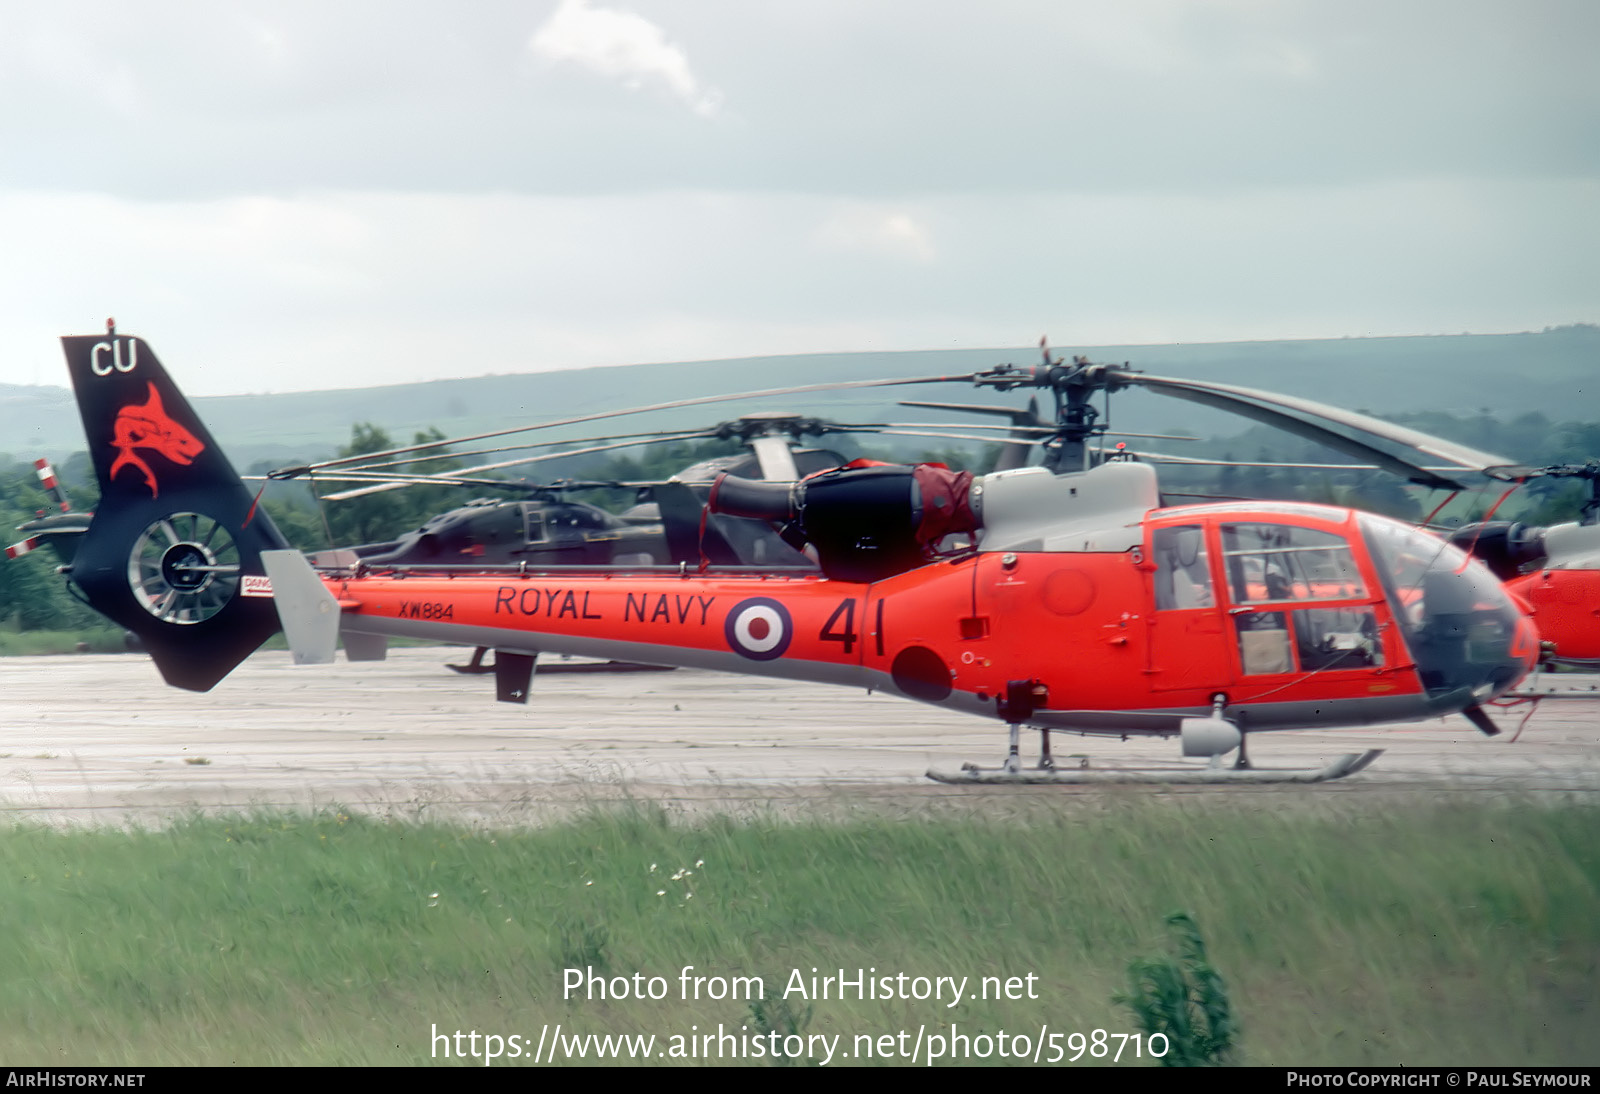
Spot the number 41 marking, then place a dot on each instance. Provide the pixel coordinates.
(845, 617)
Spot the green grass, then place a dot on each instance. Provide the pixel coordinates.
(15, 643)
(1412, 935)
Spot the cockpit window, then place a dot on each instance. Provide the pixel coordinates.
(1277, 562)
(1183, 574)
(1430, 577)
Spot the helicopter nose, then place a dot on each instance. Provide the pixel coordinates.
(1472, 636)
(1469, 639)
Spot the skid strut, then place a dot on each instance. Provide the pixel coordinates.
(1022, 698)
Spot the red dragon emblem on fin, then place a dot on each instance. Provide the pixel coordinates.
(147, 426)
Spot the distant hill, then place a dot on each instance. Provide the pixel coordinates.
(1556, 371)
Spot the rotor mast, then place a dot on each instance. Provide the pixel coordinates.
(1074, 386)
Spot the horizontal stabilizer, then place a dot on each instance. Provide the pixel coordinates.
(306, 609)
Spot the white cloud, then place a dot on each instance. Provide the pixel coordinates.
(876, 230)
(622, 46)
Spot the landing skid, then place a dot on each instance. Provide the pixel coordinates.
(1346, 765)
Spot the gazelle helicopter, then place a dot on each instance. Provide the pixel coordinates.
(1064, 598)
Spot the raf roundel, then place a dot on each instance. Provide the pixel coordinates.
(759, 628)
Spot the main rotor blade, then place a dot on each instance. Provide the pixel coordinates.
(1039, 430)
(1030, 416)
(1025, 442)
(663, 435)
(703, 400)
(1147, 436)
(499, 484)
(1294, 415)
(1162, 457)
(400, 478)
(1041, 426)
(396, 482)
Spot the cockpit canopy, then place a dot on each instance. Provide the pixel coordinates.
(1310, 589)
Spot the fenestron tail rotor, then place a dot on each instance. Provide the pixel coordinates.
(184, 568)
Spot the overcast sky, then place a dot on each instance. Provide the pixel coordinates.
(290, 196)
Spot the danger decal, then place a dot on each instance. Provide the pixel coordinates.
(759, 628)
(255, 585)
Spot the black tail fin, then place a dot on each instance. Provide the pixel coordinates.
(174, 552)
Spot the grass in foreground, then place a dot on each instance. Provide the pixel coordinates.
(1425, 935)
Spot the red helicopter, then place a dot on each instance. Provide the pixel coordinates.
(1064, 599)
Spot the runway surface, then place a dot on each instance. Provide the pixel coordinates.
(100, 739)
